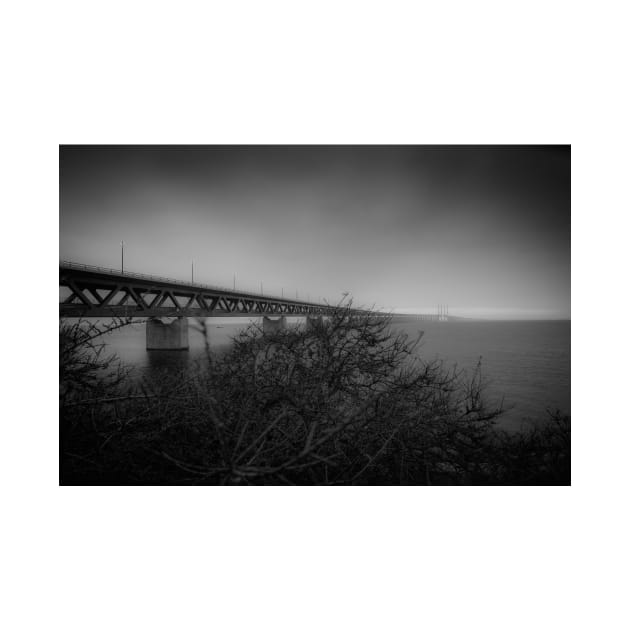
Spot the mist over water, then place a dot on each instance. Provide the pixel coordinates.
(525, 363)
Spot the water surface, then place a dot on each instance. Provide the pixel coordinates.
(525, 363)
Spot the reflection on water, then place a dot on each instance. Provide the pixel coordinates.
(159, 360)
(528, 363)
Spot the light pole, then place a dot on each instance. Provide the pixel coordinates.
(192, 271)
(122, 256)
(234, 282)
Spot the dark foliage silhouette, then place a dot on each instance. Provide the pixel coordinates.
(343, 401)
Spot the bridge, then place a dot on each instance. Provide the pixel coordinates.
(100, 292)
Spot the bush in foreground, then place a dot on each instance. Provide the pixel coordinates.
(348, 401)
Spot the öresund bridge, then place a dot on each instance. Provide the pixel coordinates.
(99, 292)
(88, 291)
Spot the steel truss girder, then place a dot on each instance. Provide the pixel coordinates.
(128, 297)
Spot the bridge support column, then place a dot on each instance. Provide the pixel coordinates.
(313, 321)
(274, 325)
(167, 336)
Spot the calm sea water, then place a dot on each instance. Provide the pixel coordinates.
(527, 364)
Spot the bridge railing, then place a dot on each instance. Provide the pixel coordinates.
(143, 276)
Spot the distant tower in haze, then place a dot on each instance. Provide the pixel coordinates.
(442, 313)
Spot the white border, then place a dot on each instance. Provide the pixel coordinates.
(343, 72)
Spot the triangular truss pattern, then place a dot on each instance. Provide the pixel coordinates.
(168, 300)
(83, 293)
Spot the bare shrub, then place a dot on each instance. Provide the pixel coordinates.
(347, 401)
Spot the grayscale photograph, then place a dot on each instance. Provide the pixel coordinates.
(315, 315)
(359, 245)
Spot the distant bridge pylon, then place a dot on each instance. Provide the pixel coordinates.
(441, 314)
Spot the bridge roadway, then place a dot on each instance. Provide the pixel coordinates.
(100, 292)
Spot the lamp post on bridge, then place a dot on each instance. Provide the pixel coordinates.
(192, 271)
(122, 256)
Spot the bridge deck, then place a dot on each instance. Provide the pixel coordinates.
(101, 292)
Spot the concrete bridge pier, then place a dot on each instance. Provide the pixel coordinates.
(271, 326)
(313, 321)
(167, 336)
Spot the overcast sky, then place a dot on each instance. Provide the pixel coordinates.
(485, 230)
